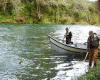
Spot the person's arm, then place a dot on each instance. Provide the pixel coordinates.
(65, 36)
(98, 37)
(70, 34)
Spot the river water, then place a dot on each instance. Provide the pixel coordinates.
(25, 52)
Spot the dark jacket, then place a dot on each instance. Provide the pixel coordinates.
(93, 42)
(68, 37)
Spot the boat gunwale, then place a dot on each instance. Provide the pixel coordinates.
(65, 44)
(67, 49)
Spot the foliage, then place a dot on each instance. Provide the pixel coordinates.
(50, 11)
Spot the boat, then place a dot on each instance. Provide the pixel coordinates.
(60, 46)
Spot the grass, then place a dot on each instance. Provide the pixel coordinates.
(44, 20)
(93, 74)
(7, 19)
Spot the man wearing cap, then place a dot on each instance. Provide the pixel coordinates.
(68, 36)
(92, 48)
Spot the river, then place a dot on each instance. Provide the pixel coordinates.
(29, 45)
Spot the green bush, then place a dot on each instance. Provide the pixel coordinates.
(48, 11)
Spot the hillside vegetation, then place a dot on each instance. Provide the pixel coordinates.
(48, 12)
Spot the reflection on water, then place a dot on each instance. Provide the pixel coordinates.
(30, 44)
(70, 72)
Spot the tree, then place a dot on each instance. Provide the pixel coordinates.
(37, 6)
(99, 7)
(3, 4)
(17, 7)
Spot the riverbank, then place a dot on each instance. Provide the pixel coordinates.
(93, 74)
(28, 20)
(12, 20)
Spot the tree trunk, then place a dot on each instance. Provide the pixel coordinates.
(5, 5)
(99, 8)
(17, 7)
(37, 6)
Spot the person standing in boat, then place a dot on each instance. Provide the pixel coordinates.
(92, 48)
(68, 36)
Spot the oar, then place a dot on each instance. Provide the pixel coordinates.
(86, 56)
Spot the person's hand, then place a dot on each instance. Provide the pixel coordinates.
(87, 50)
(64, 36)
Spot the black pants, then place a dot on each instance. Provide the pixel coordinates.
(68, 40)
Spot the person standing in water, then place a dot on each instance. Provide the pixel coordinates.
(68, 36)
(92, 48)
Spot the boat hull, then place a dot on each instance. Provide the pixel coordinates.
(58, 49)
